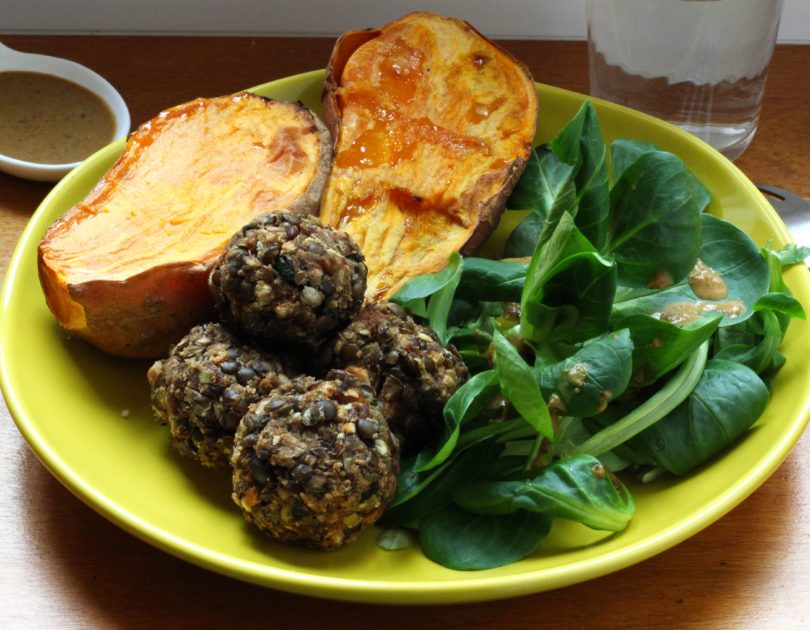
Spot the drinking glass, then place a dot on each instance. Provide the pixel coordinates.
(701, 64)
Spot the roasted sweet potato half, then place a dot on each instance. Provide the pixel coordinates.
(433, 124)
(127, 267)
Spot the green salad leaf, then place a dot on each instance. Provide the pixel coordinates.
(519, 385)
(731, 254)
(727, 400)
(548, 192)
(459, 540)
(484, 280)
(439, 287)
(580, 144)
(584, 383)
(633, 332)
(576, 488)
(655, 209)
(569, 289)
(464, 404)
(660, 346)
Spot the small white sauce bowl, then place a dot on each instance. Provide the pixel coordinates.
(14, 61)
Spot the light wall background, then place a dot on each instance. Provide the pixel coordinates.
(541, 19)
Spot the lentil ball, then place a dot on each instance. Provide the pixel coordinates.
(315, 463)
(205, 386)
(287, 279)
(412, 372)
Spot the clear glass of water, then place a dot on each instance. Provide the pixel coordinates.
(701, 64)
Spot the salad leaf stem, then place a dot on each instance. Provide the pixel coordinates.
(511, 429)
(651, 475)
(653, 409)
(538, 441)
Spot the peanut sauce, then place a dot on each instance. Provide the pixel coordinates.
(661, 279)
(685, 312)
(706, 283)
(49, 120)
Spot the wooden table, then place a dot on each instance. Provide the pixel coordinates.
(63, 566)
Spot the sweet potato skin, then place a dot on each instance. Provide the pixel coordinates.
(139, 317)
(345, 45)
(427, 210)
(127, 268)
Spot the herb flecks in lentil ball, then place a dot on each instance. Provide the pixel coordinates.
(287, 279)
(411, 371)
(205, 386)
(315, 463)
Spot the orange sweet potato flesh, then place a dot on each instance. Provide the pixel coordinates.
(126, 268)
(433, 124)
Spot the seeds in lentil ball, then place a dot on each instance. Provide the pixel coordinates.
(287, 279)
(315, 463)
(205, 386)
(411, 371)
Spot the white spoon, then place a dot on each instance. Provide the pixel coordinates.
(14, 61)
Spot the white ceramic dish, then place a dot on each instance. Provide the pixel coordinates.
(12, 60)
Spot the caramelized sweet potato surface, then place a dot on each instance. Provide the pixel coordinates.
(433, 124)
(126, 268)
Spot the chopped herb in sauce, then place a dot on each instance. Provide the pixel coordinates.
(48, 120)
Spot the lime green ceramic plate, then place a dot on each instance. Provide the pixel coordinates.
(87, 417)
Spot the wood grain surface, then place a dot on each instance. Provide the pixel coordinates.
(63, 566)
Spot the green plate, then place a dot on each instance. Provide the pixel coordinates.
(87, 417)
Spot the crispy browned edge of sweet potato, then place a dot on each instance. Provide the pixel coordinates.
(141, 316)
(346, 44)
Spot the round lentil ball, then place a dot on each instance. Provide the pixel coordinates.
(206, 385)
(287, 279)
(315, 463)
(413, 374)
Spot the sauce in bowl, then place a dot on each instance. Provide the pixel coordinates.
(49, 120)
